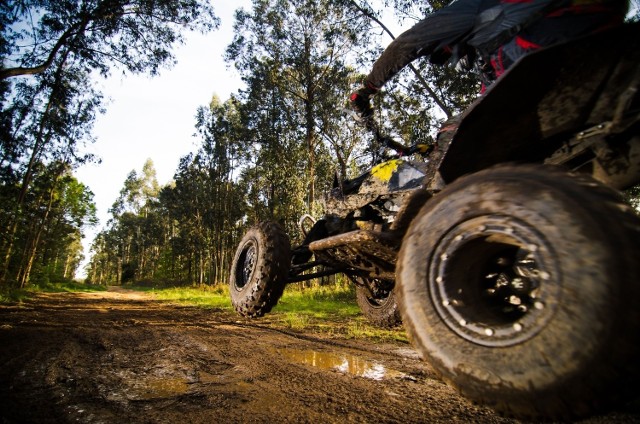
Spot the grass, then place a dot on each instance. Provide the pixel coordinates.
(13, 295)
(16, 295)
(205, 297)
(336, 301)
(329, 310)
(69, 287)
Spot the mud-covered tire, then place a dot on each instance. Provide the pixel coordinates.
(554, 331)
(382, 310)
(259, 270)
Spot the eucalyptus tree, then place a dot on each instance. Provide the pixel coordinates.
(46, 119)
(51, 225)
(205, 204)
(50, 52)
(298, 47)
(220, 131)
(136, 35)
(272, 153)
(74, 210)
(104, 267)
(138, 235)
(57, 249)
(422, 94)
(187, 202)
(633, 197)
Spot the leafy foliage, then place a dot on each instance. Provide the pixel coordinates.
(270, 152)
(134, 34)
(49, 53)
(633, 197)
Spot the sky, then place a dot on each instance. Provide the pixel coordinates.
(154, 117)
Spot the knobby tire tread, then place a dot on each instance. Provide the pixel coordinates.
(269, 280)
(618, 366)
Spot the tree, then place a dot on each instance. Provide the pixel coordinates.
(46, 121)
(205, 204)
(134, 34)
(633, 197)
(292, 53)
(49, 52)
(134, 216)
(422, 93)
(47, 239)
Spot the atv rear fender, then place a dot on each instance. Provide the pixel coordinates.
(543, 103)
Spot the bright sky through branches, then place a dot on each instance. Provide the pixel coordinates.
(155, 117)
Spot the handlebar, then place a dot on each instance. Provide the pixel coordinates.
(402, 150)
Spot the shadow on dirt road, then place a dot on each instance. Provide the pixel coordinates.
(122, 357)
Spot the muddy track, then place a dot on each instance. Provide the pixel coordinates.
(122, 357)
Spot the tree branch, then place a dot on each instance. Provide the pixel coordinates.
(19, 71)
(419, 76)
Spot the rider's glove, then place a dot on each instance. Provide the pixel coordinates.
(424, 148)
(360, 100)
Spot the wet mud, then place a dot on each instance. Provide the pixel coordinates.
(120, 357)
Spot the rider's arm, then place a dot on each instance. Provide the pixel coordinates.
(431, 35)
(436, 32)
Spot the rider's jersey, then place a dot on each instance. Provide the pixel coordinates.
(576, 19)
(499, 31)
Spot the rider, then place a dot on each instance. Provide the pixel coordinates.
(497, 32)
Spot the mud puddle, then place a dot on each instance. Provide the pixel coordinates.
(155, 388)
(341, 362)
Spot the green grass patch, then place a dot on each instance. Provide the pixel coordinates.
(10, 295)
(17, 295)
(361, 329)
(328, 310)
(336, 301)
(67, 286)
(204, 297)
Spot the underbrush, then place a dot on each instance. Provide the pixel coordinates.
(11, 295)
(67, 286)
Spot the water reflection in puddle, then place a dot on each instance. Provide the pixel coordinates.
(157, 388)
(341, 362)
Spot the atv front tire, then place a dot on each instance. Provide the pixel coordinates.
(259, 270)
(380, 308)
(521, 286)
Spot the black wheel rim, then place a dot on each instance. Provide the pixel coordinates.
(494, 281)
(379, 299)
(378, 294)
(246, 264)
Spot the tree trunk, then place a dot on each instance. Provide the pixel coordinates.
(23, 275)
(40, 141)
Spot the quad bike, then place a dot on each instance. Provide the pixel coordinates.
(513, 258)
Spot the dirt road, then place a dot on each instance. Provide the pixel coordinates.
(121, 357)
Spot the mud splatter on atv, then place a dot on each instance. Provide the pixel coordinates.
(513, 259)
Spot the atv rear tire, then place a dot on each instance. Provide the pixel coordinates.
(520, 285)
(381, 309)
(259, 270)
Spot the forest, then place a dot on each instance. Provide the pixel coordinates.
(270, 151)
